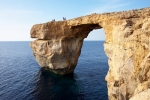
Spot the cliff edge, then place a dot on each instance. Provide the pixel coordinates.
(127, 46)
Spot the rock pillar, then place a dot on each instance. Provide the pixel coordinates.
(58, 46)
(59, 56)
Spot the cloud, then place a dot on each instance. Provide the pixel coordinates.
(17, 12)
(120, 5)
(114, 5)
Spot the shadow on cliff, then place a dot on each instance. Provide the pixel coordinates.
(50, 86)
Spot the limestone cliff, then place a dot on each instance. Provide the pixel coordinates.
(127, 46)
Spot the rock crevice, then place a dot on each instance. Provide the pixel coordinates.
(127, 46)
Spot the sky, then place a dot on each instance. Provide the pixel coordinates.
(18, 16)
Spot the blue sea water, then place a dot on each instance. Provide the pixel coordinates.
(21, 78)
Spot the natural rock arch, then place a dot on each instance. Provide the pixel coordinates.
(127, 47)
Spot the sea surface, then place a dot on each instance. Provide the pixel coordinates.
(21, 78)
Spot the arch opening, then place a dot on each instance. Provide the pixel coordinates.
(93, 66)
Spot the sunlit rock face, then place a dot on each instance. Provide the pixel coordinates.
(58, 46)
(127, 46)
(59, 56)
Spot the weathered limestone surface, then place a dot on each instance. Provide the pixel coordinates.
(127, 46)
(58, 46)
(59, 56)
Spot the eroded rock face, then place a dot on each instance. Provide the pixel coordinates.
(58, 46)
(127, 46)
(59, 56)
